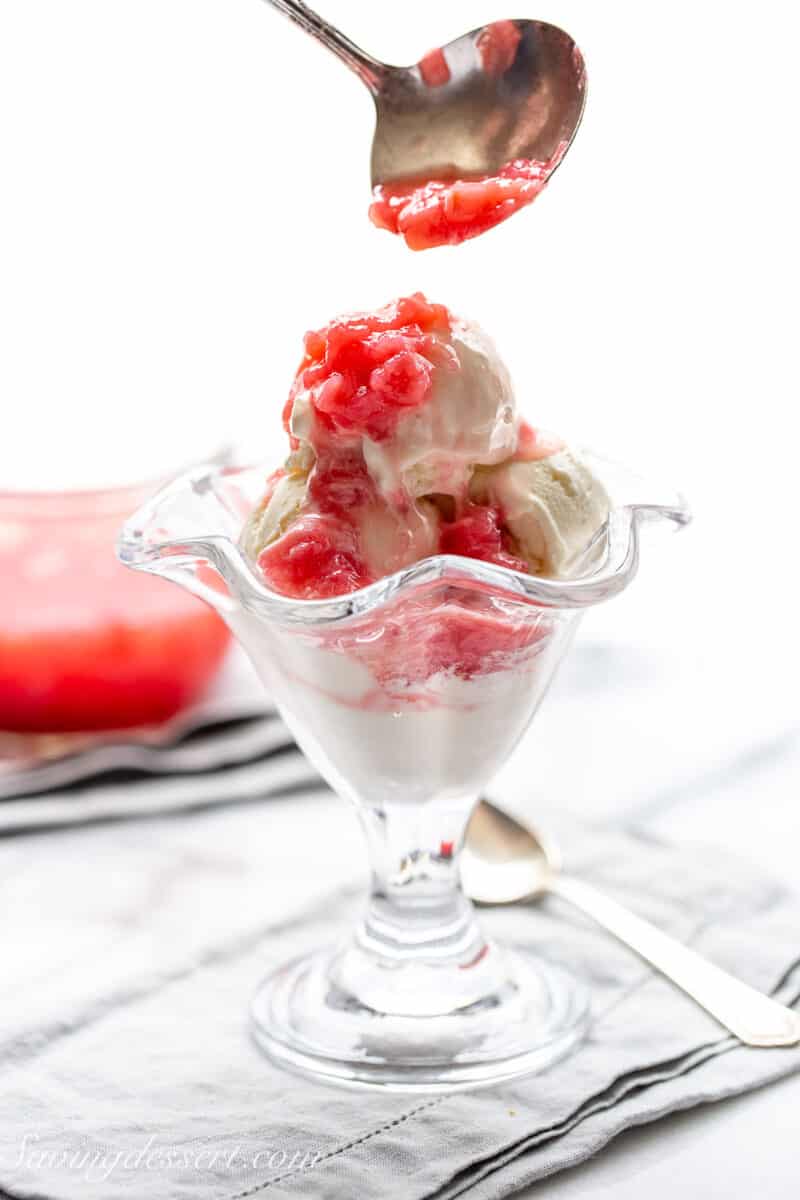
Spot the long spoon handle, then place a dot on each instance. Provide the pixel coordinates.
(368, 69)
(753, 1018)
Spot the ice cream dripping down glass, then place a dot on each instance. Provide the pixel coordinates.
(408, 696)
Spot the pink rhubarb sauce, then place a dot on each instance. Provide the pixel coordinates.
(315, 559)
(441, 212)
(432, 634)
(480, 535)
(86, 644)
(363, 374)
(360, 376)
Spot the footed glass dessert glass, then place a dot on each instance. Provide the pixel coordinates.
(408, 696)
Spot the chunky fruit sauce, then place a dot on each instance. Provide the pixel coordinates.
(440, 212)
(359, 377)
(462, 634)
(318, 557)
(363, 373)
(480, 534)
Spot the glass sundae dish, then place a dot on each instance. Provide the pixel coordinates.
(406, 585)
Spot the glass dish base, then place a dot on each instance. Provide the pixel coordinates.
(305, 1021)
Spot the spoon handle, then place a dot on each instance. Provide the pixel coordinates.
(753, 1018)
(368, 69)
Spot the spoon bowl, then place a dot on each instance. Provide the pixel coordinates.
(506, 91)
(503, 862)
(509, 90)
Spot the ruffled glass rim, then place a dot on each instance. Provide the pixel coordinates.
(149, 541)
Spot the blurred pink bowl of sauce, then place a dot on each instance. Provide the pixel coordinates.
(85, 644)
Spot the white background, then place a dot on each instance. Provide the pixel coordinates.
(183, 191)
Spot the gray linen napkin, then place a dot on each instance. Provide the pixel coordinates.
(126, 1070)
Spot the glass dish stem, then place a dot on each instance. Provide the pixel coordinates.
(417, 911)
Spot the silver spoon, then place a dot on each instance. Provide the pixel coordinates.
(527, 103)
(504, 862)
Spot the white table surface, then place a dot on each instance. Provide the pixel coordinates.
(744, 1147)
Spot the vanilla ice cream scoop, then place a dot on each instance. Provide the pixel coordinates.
(551, 506)
(389, 538)
(406, 443)
(282, 505)
(468, 417)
